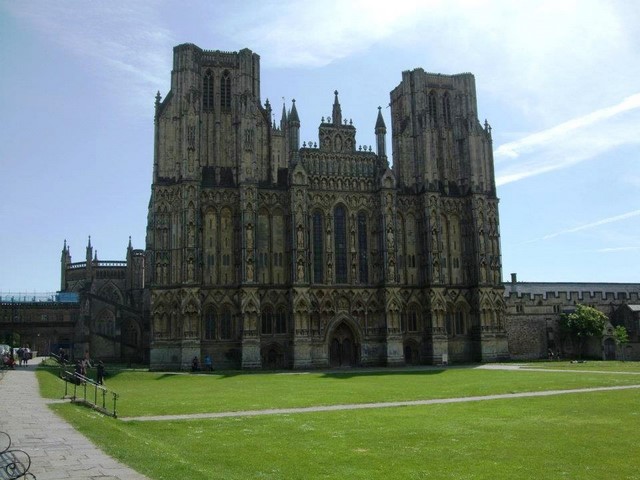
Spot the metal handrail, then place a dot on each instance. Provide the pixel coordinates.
(77, 380)
(14, 463)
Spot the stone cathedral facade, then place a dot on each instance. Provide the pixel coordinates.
(265, 253)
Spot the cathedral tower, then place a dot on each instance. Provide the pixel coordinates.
(444, 157)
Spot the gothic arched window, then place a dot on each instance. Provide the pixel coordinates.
(226, 324)
(446, 109)
(106, 323)
(267, 321)
(210, 321)
(281, 321)
(362, 249)
(340, 241)
(207, 92)
(461, 324)
(225, 91)
(433, 110)
(318, 257)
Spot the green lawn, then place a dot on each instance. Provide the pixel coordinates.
(144, 393)
(577, 436)
(589, 365)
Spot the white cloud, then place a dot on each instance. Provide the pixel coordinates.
(314, 34)
(569, 143)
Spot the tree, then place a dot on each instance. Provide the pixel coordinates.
(621, 337)
(583, 323)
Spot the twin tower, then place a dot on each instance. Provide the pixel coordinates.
(264, 253)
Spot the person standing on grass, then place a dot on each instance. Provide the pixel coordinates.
(208, 363)
(100, 373)
(195, 364)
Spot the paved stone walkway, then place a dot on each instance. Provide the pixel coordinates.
(56, 449)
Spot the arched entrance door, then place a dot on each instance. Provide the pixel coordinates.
(342, 347)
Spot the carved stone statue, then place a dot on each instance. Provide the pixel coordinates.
(300, 272)
(249, 237)
(300, 236)
(250, 271)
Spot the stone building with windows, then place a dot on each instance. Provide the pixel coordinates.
(264, 253)
(534, 310)
(99, 311)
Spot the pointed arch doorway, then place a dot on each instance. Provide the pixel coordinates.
(343, 350)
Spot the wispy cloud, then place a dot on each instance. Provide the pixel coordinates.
(314, 34)
(591, 225)
(123, 42)
(616, 249)
(570, 142)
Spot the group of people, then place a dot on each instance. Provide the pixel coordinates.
(82, 367)
(553, 355)
(208, 364)
(23, 354)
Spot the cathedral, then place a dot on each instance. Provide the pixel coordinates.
(265, 253)
(262, 253)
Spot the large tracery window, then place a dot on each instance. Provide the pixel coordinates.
(273, 323)
(207, 92)
(409, 320)
(318, 258)
(225, 91)
(340, 241)
(362, 249)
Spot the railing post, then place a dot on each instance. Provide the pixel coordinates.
(115, 397)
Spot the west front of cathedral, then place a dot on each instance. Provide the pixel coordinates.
(265, 253)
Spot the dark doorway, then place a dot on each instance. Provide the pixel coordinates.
(411, 356)
(342, 348)
(609, 349)
(273, 358)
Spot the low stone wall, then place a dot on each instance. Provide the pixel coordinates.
(527, 336)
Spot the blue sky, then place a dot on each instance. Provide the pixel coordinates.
(557, 81)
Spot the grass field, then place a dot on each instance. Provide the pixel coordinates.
(577, 436)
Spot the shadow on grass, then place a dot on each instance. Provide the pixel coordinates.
(338, 373)
(351, 373)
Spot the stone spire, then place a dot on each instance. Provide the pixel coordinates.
(294, 128)
(89, 255)
(294, 120)
(381, 131)
(337, 111)
(283, 117)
